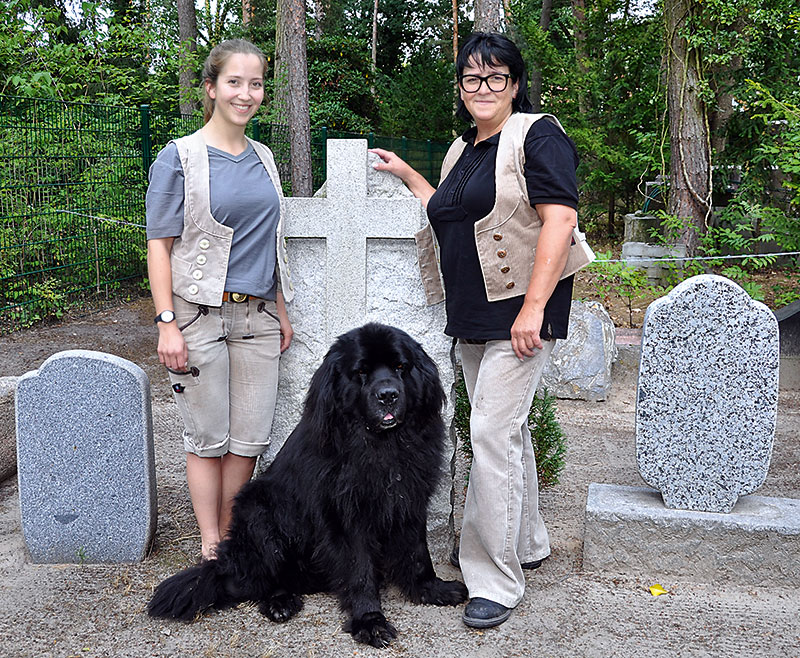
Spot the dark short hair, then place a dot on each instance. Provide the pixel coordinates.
(494, 49)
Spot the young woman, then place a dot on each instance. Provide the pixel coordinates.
(508, 189)
(214, 253)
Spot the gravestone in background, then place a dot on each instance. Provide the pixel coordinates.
(579, 367)
(789, 325)
(85, 459)
(707, 399)
(705, 421)
(353, 260)
(8, 441)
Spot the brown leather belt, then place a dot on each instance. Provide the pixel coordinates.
(237, 297)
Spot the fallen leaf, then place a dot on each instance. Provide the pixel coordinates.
(657, 590)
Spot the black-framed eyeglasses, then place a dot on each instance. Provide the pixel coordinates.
(496, 82)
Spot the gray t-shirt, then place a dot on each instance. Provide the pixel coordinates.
(242, 197)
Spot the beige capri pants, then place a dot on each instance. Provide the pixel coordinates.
(227, 394)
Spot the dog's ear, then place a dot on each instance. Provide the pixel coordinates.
(425, 377)
(320, 403)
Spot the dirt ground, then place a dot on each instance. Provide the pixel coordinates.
(99, 610)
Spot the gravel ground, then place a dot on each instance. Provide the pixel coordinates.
(99, 610)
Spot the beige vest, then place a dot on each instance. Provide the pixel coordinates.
(199, 258)
(506, 238)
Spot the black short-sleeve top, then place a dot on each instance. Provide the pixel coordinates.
(467, 195)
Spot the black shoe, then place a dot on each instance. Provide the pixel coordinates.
(525, 565)
(483, 613)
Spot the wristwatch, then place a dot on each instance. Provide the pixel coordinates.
(165, 316)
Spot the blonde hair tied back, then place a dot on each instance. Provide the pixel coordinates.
(216, 61)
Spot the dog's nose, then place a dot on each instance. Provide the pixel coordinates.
(387, 394)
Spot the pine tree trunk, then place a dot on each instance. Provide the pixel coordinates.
(690, 164)
(290, 104)
(488, 17)
(187, 30)
(536, 73)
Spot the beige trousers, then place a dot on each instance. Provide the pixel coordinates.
(502, 526)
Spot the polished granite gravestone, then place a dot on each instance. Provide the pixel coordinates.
(707, 398)
(86, 469)
(705, 422)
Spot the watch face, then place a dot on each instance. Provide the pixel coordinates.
(166, 316)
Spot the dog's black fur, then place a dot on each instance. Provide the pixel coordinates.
(343, 507)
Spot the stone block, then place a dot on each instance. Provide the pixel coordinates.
(8, 438)
(87, 485)
(707, 394)
(629, 531)
(789, 327)
(580, 366)
(650, 258)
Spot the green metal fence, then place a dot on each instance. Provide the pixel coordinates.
(73, 178)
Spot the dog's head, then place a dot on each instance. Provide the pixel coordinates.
(375, 375)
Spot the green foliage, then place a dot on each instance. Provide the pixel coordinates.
(547, 437)
(340, 82)
(549, 442)
(419, 99)
(628, 283)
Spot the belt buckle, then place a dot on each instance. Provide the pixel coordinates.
(238, 297)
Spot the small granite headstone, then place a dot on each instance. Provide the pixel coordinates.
(85, 459)
(707, 396)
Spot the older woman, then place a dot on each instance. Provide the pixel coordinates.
(508, 192)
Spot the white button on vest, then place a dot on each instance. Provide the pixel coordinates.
(201, 259)
(193, 289)
(197, 275)
(204, 244)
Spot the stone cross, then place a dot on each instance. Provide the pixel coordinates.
(86, 469)
(346, 219)
(707, 395)
(353, 259)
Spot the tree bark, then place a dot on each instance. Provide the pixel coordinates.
(488, 16)
(579, 14)
(455, 33)
(690, 157)
(187, 80)
(536, 73)
(290, 104)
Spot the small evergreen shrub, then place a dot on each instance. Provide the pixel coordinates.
(547, 437)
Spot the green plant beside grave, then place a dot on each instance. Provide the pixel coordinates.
(547, 437)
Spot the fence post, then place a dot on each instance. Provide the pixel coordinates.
(371, 140)
(404, 148)
(256, 129)
(147, 143)
(324, 132)
(430, 161)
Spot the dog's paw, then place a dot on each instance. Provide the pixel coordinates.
(281, 607)
(372, 629)
(444, 592)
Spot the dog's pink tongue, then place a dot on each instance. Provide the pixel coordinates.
(388, 416)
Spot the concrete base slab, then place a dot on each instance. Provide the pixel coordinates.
(629, 531)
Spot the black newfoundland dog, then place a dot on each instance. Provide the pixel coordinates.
(343, 507)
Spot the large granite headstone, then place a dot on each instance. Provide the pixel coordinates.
(707, 398)
(352, 257)
(85, 459)
(705, 421)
